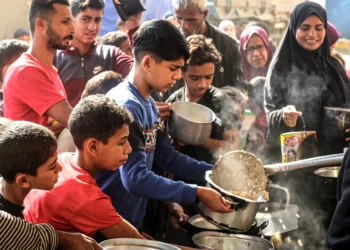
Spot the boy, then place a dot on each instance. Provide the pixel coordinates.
(35, 167)
(85, 59)
(159, 51)
(100, 130)
(101, 83)
(118, 39)
(198, 74)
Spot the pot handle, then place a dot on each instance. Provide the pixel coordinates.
(286, 191)
(217, 122)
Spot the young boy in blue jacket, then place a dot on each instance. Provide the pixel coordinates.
(160, 51)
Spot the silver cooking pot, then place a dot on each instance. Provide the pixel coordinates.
(135, 244)
(215, 240)
(241, 219)
(191, 123)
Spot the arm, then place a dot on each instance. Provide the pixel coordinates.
(19, 234)
(122, 229)
(60, 112)
(76, 241)
(176, 163)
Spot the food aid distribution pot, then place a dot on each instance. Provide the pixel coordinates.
(135, 244)
(216, 240)
(191, 123)
(241, 219)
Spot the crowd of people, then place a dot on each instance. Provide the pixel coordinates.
(84, 149)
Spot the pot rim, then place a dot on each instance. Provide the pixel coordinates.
(194, 104)
(210, 181)
(200, 235)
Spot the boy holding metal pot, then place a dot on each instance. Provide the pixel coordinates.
(159, 50)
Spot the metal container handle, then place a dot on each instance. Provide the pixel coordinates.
(286, 191)
(217, 122)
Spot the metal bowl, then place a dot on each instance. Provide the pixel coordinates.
(215, 240)
(329, 172)
(135, 244)
(191, 123)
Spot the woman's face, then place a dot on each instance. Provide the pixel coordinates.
(256, 52)
(311, 33)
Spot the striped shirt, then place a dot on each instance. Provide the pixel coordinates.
(18, 234)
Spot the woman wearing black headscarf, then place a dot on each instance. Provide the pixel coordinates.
(303, 79)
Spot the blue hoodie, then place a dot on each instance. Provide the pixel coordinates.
(134, 183)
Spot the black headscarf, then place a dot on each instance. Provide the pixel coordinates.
(309, 80)
(319, 62)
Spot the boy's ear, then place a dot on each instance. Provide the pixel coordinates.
(23, 180)
(147, 62)
(91, 145)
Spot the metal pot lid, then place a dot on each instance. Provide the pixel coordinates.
(135, 244)
(328, 172)
(218, 240)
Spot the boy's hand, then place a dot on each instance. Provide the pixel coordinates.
(76, 241)
(213, 200)
(164, 109)
(55, 127)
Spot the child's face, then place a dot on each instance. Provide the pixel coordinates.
(47, 174)
(114, 154)
(162, 76)
(199, 78)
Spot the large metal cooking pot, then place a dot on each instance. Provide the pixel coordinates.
(135, 244)
(191, 123)
(215, 240)
(127, 8)
(241, 219)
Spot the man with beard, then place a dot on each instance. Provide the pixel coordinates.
(32, 88)
(191, 15)
(84, 58)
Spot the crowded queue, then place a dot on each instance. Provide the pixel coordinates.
(84, 147)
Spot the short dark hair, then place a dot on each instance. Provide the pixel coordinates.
(24, 147)
(81, 5)
(114, 38)
(21, 32)
(256, 90)
(101, 83)
(162, 40)
(98, 117)
(9, 50)
(42, 9)
(202, 50)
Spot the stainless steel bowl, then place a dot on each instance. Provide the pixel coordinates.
(329, 172)
(135, 244)
(191, 123)
(215, 240)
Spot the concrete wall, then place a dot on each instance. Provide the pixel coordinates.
(14, 15)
